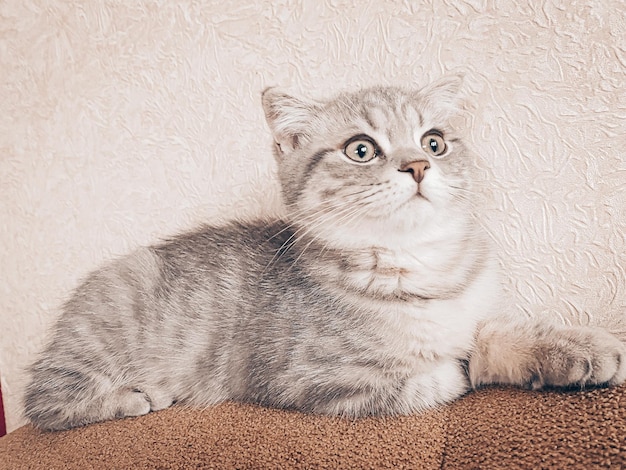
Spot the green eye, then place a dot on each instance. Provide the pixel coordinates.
(361, 149)
(434, 143)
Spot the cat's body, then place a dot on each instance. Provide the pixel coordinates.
(372, 297)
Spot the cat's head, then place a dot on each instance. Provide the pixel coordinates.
(378, 159)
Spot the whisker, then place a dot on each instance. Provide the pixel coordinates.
(318, 218)
(344, 217)
(339, 213)
(296, 215)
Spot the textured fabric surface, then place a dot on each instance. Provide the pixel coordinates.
(491, 428)
(123, 122)
(504, 428)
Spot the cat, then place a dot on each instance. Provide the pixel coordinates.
(377, 293)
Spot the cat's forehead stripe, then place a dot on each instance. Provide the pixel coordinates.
(411, 114)
(392, 117)
(377, 117)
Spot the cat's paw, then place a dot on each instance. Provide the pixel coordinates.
(138, 402)
(132, 403)
(159, 400)
(579, 357)
(539, 354)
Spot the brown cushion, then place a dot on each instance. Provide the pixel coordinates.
(491, 428)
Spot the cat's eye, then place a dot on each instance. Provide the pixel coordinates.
(434, 143)
(361, 149)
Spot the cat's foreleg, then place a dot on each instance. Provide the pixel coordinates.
(539, 354)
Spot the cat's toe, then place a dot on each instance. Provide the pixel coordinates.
(584, 357)
(132, 403)
(159, 400)
(610, 366)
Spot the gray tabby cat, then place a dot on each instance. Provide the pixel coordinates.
(376, 295)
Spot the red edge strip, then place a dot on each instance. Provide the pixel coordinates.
(3, 426)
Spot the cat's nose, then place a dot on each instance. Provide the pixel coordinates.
(417, 169)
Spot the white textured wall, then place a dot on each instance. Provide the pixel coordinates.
(124, 121)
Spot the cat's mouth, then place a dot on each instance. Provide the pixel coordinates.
(420, 195)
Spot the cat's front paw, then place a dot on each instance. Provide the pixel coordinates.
(540, 354)
(578, 357)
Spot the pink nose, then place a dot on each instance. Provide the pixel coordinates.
(417, 169)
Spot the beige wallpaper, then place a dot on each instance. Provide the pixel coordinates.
(122, 122)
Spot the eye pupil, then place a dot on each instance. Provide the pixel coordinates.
(361, 151)
(434, 146)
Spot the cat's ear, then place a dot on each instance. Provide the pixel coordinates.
(289, 118)
(444, 96)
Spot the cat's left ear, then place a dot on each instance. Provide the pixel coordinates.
(444, 96)
(289, 118)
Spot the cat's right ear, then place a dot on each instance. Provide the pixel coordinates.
(289, 119)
